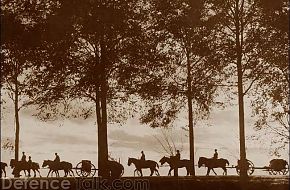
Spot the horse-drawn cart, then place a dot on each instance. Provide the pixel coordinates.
(276, 167)
(85, 169)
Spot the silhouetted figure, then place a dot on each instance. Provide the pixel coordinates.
(142, 156)
(177, 155)
(57, 159)
(215, 155)
(23, 158)
(29, 161)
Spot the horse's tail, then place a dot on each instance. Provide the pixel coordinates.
(227, 162)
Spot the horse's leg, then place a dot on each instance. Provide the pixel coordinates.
(225, 170)
(38, 172)
(152, 171)
(169, 172)
(157, 172)
(135, 172)
(208, 170)
(48, 172)
(187, 171)
(213, 171)
(141, 172)
(71, 172)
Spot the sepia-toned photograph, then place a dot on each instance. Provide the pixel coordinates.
(145, 94)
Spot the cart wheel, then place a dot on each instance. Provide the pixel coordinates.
(250, 169)
(137, 173)
(78, 169)
(274, 172)
(285, 170)
(270, 171)
(238, 170)
(122, 173)
(93, 171)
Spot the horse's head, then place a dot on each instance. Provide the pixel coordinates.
(12, 163)
(162, 160)
(45, 163)
(201, 161)
(130, 160)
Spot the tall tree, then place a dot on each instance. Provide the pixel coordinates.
(241, 25)
(189, 76)
(18, 36)
(270, 105)
(92, 50)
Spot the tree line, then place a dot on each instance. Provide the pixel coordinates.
(173, 57)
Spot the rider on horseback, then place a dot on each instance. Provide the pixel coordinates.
(57, 159)
(142, 156)
(29, 161)
(215, 155)
(23, 158)
(177, 156)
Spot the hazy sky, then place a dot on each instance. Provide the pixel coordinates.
(76, 139)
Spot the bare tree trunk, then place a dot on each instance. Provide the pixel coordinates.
(102, 129)
(17, 124)
(190, 114)
(239, 53)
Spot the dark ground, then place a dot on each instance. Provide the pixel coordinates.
(150, 183)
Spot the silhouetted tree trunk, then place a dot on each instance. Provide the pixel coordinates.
(190, 113)
(16, 112)
(239, 54)
(102, 129)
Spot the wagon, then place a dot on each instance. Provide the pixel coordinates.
(85, 169)
(278, 167)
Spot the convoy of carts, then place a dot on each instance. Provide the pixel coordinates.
(276, 167)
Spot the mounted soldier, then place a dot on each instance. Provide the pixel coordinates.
(177, 156)
(215, 155)
(23, 158)
(142, 156)
(57, 159)
(29, 161)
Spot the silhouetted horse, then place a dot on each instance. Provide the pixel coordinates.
(116, 169)
(54, 167)
(3, 170)
(211, 163)
(19, 166)
(180, 164)
(140, 164)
